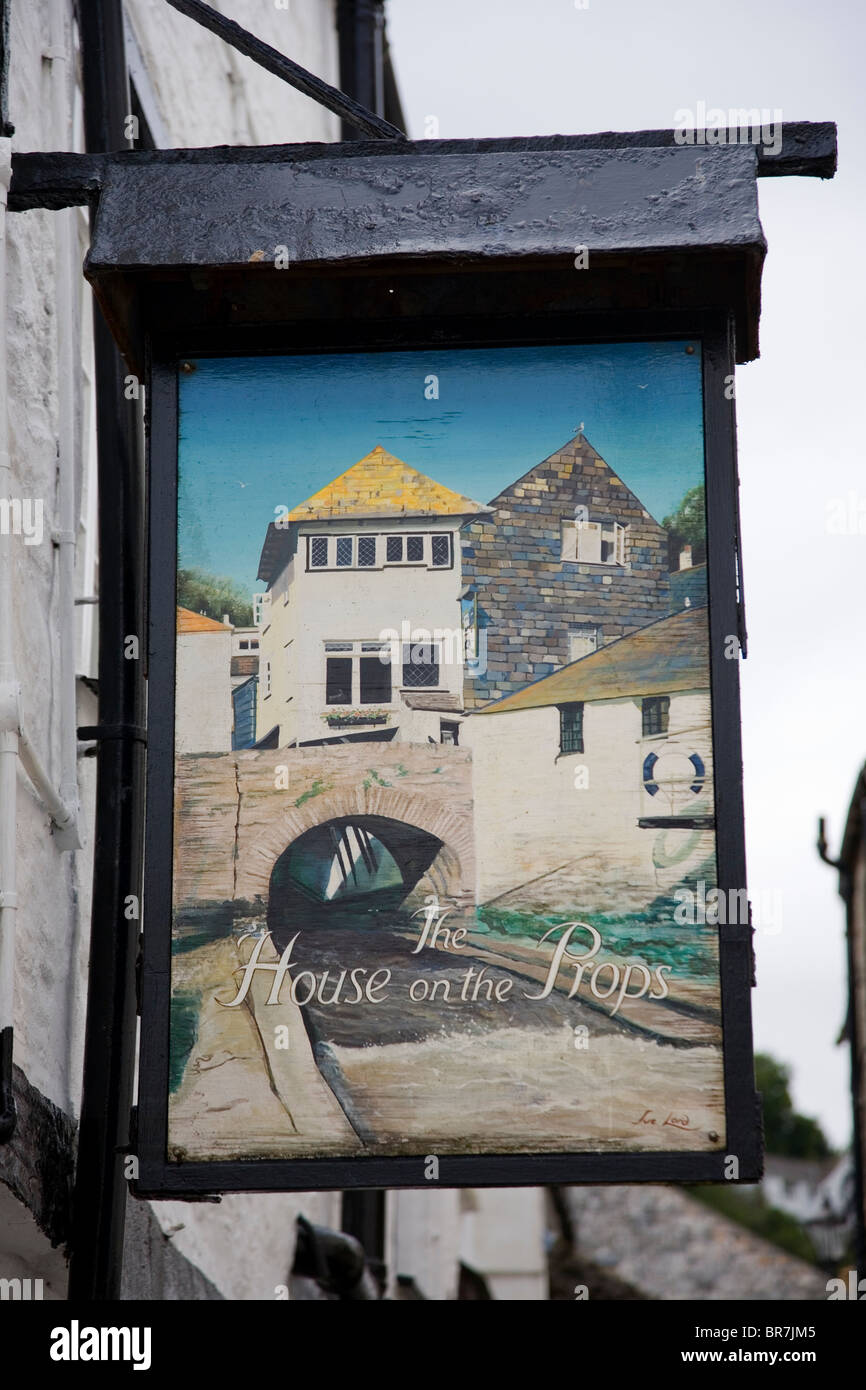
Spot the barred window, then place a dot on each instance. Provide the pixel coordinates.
(571, 728)
(440, 548)
(344, 550)
(394, 549)
(366, 551)
(420, 664)
(318, 551)
(654, 715)
(414, 547)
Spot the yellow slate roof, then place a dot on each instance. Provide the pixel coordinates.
(187, 621)
(380, 484)
(669, 655)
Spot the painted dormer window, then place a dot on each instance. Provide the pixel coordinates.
(589, 542)
(431, 549)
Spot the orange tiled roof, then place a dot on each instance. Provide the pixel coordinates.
(381, 485)
(187, 621)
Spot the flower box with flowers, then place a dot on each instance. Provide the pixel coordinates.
(337, 719)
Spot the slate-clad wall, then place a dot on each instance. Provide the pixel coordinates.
(529, 598)
(689, 588)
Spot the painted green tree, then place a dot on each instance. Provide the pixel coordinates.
(688, 521)
(214, 595)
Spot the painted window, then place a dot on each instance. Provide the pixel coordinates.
(375, 681)
(421, 664)
(358, 676)
(440, 550)
(654, 715)
(318, 552)
(581, 642)
(364, 552)
(266, 680)
(338, 680)
(571, 727)
(593, 542)
(261, 609)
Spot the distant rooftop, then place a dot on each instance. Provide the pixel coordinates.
(667, 656)
(187, 621)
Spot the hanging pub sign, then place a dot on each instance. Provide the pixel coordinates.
(445, 874)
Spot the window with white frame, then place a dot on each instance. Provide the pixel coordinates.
(421, 665)
(581, 642)
(357, 673)
(318, 552)
(434, 549)
(599, 542)
(261, 610)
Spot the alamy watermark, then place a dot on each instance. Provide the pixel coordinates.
(735, 127)
(421, 646)
(705, 905)
(22, 516)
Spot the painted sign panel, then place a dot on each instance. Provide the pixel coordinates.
(445, 876)
(443, 818)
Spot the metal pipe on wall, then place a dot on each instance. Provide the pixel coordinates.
(8, 709)
(99, 1203)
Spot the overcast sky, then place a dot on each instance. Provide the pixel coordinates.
(505, 67)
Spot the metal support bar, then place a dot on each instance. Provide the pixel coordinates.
(98, 732)
(296, 76)
(99, 1203)
(360, 34)
(61, 180)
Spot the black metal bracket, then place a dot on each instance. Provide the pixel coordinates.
(61, 179)
(8, 1111)
(303, 81)
(99, 732)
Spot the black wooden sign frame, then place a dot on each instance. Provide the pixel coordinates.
(160, 1177)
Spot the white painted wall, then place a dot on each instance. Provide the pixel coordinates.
(425, 1240)
(209, 94)
(532, 814)
(203, 709)
(502, 1237)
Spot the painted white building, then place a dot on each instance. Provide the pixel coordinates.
(361, 633)
(203, 709)
(597, 763)
(245, 653)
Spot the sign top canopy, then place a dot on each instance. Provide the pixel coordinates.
(199, 241)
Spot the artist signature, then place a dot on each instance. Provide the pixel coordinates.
(675, 1121)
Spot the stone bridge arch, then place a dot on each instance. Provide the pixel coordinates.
(451, 874)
